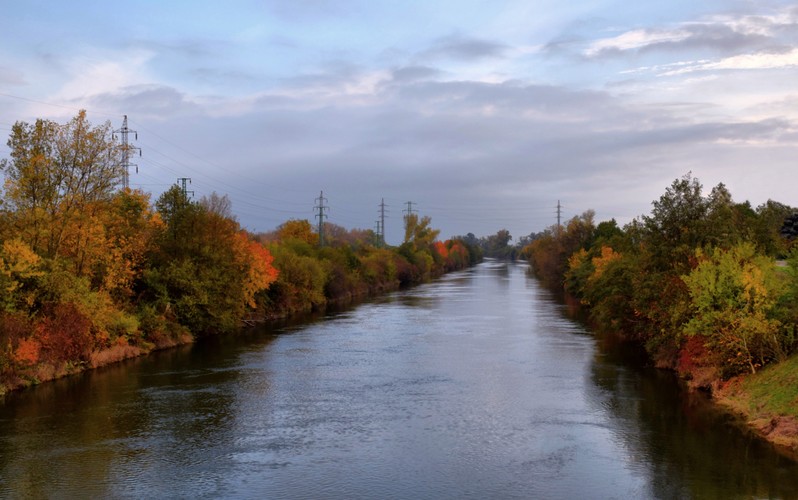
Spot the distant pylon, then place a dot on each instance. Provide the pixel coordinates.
(381, 225)
(409, 210)
(559, 214)
(126, 148)
(321, 208)
(182, 181)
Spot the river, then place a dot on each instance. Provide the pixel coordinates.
(478, 385)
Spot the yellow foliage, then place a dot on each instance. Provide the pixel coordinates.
(18, 261)
(299, 230)
(600, 263)
(577, 258)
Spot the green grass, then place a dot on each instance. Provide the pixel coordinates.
(773, 390)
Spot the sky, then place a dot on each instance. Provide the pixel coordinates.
(485, 115)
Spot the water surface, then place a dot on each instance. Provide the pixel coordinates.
(475, 386)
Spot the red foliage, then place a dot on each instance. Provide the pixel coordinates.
(27, 352)
(65, 334)
(406, 272)
(14, 329)
(13, 326)
(692, 355)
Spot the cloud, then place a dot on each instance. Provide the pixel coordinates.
(758, 61)
(722, 34)
(192, 48)
(437, 142)
(464, 49)
(103, 72)
(407, 74)
(145, 101)
(462, 122)
(217, 76)
(635, 39)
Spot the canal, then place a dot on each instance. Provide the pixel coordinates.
(478, 385)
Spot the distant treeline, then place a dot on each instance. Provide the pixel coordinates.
(91, 274)
(708, 285)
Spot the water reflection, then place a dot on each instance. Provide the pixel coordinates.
(690, 448)
(476, 386)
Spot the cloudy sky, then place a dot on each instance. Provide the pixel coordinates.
(482, 113)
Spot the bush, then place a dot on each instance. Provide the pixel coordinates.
(65, 334)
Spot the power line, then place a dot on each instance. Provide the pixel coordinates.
(476, 212)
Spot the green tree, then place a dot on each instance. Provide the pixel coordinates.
(676, 226)
(733, 294)
(201, 265)
(498, 245)
(770, 218)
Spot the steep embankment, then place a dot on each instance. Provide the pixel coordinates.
(768, 400)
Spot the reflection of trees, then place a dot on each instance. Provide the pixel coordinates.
(96, 434)
(688, 447)
(499, 268)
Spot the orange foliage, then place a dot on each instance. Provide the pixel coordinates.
(440, 247)
(258, 262)
(27, 352)
(608, 255)
(457, 257)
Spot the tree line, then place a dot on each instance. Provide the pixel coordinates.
(709, 286)
(90, 273)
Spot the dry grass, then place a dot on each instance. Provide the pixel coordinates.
(113, 354)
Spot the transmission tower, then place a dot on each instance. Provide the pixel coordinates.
(409, 210)
(559, 215)
(182, 181)
(321, 208)
(381, 222)
(126, 149)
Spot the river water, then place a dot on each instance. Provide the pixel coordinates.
(478, 385)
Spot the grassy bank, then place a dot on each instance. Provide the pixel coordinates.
(768, 400)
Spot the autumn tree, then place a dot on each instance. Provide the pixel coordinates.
(418, 247)
(549, 253)
(733, 293)
(130, 226)
(298, 229)
(55, 178)
(19, 267)
(418, 232)
(203, 267)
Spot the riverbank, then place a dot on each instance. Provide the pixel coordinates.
(768, 401)
(37, 373)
